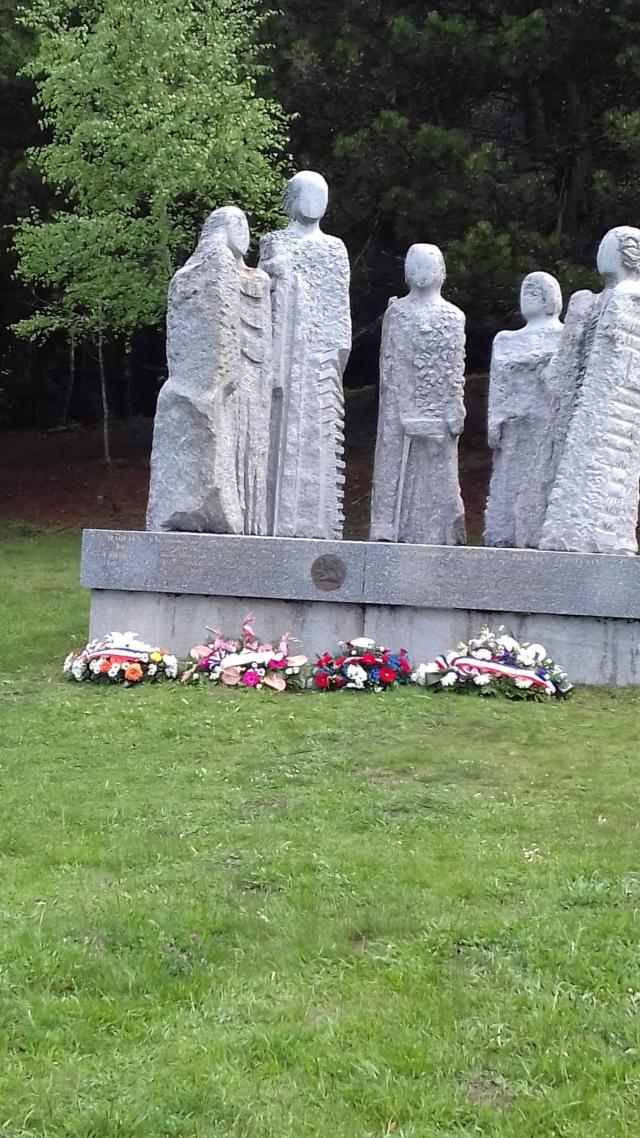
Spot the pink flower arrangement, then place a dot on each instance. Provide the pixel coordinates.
(246, 661)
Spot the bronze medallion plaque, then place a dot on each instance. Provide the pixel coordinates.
(328, 572)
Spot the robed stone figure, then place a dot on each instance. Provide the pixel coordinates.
(211, 431)
(310, 277)
(593, 506)
(416, 489)
(521, 420)
(562, 382)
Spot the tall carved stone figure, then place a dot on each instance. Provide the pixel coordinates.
(254, 398)
(562, 381)
(210, 441)
(312, 339)
(593, 506)
(416, 489)
(520, 418)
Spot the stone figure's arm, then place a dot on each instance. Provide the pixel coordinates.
(552, 376)
(222, 303)
(497, 411)
(276, 267)
(494, 433)
(390, 441)
(273, 259)
(451, 409)
(420, 427)
(343, 322)
(202, 326)
(456, 417)
(455, 409)
(275, 263)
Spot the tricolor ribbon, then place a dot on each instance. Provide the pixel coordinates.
(114, 650)
(467, 666)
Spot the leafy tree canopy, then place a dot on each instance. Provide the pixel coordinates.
(152, 117)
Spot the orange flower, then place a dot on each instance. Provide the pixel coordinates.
(133, 673)
(105, 664)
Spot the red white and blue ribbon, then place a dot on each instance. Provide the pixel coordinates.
(469, 666)
(132, 654)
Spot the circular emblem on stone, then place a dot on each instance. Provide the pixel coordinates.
(328, 572)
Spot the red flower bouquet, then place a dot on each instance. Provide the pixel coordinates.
(361, 665)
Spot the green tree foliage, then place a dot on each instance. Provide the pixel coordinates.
(152, 117)
(20, 189)
(507, 133)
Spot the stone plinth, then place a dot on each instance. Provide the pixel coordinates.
(169, 586)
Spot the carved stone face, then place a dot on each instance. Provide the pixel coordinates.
(238, 236)
(424, 267)
(609, 263)
(619, 255)
(540, 295)
(229, 225)
(306, 197)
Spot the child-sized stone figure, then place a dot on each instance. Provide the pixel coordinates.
(520, 417)
(416, 489)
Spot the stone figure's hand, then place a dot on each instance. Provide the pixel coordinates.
(494, 435)
(276, 267)
(423, 428)
(343, 358)
(384, 533)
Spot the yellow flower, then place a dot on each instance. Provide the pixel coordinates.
(155, 657)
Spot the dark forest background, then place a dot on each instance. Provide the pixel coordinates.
(506, 133)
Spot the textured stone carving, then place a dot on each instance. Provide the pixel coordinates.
(416, 489)
(312, 340)
(562, 381)
(520, 417)
(593, 506)
(210, 442)
(254, 397)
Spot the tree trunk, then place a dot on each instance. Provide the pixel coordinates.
(577, 116)
(127, 373)
(106, 449)
(71, 383)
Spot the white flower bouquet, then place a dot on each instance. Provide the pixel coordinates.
(492, 664)
(120, 658)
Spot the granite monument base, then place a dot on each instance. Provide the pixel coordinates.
(171, 587)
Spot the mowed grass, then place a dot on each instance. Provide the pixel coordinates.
(251, 915)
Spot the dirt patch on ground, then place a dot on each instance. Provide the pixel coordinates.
(383, 778)
(387, 778)
(57, 478)
(485, 1091)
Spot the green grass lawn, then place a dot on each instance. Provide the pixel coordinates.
(243, 914)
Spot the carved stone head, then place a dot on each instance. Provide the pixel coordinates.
(306, 197)
(619, 255)
(424, 267)
(540, 296)
(227, 226)
(579, 305)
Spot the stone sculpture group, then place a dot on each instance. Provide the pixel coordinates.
(570, 397)
(249, 430)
